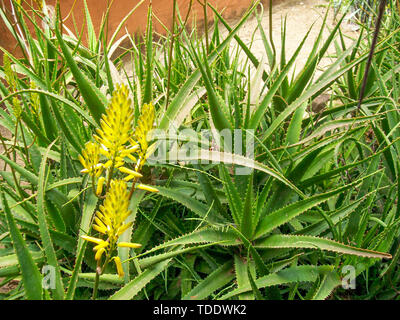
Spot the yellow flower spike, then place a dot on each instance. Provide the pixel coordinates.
(130, 172)
(129, 245)
(146, 188)
(145, 124)
(100, 184)
(17, 108)
(9, 73)
(92, 239)
(116, 125)
(118, 264)
(90, 159)
(99, 254)
(112, 214)
(35, 99)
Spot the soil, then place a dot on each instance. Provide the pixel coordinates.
(300, 16)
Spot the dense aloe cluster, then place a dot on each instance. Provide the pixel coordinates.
(80, 196)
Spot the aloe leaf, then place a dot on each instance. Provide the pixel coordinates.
(226, 238)
(232, 194)
(285, 214)
(87, 214)
(329, 282)
(216, 103)
(61, 239)
(244, 47)
(340, 214)
(309, 242)
(262, 108)
(177, 103)
(328, 77)
(149, 261)
(209, 191)
(90, 28)
(44, 228)
(230, 158)
(335, 172)
(12, 259)
(242, 265)
(93, 97)
(123, 253)
(259, 263)
(246, 225)
(257, 294)
(311, 65)
(294, 129)
(148, 88)
(59, 98)
(214, 281)
(30, 272)
(201, 209)
(131, 289)
(55, 194)
(121, 24)
(286, 276)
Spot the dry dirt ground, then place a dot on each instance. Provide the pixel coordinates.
(301, 14)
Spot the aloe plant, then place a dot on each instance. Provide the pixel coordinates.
(319, 192)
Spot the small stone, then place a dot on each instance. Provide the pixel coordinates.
(320, 102)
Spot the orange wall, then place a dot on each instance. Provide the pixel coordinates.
(137, 22)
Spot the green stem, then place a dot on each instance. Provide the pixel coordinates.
(99, 272)
(96, 281)
(171, 48)
(25, 145)
(205, 5)
(271, 39)
(96, 286)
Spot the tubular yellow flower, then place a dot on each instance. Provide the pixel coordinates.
(129, 245)
(99, 253)
(116, 125)
(90, 159)
(146, 188)
(93, 239)
(100, 184)
(118, 264)
(132, 173)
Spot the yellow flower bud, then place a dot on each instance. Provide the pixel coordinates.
(100, 184)
(129, 245)
(118, 264)
(130, 172)
(146, 188)
(99, 253)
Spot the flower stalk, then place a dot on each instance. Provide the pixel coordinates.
(108, 160)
